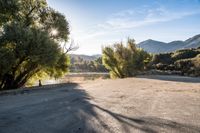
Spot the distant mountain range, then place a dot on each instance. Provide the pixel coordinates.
(153, 46)
(85, 57)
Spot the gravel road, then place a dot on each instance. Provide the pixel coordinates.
(148, 104)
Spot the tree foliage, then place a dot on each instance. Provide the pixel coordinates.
(125, 61)
(27, 43)
(187, 61)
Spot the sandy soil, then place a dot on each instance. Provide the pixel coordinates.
(150, 104)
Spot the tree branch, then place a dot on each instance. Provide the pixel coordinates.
(71, 47)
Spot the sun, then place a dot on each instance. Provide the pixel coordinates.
(54, 32)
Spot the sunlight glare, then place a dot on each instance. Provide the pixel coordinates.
(54, 32)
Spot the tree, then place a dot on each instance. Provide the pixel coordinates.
(8, 9)
(98, 65)
(124, 61)
(29, 42)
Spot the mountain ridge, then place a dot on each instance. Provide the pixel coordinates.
(85, 57)
(154, 46)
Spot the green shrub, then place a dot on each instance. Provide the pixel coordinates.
(189, 66)
(125, 61)
(187, 61)
(164, 58)
(185, 54)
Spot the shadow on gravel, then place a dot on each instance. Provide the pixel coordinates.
(173, 78)
(67, 109)
(36, 88)
(150, 124)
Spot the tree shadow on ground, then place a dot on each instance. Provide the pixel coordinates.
(172, 78)
(151, 124)
(68, 109)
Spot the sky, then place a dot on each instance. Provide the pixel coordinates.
(98, 23)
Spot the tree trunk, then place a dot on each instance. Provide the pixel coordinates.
(8, 82)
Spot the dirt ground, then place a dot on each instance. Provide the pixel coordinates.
(146, 104)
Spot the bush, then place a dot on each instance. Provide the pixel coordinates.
(164, 58)
(190, 67)
(185, 54)
(125, 61)
(187, 61)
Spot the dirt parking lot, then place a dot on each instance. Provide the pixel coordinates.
(147, 104)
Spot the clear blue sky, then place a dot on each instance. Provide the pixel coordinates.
(97, 23)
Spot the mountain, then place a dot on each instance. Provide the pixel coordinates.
(85, 57)
(154, 46)
(193, 42)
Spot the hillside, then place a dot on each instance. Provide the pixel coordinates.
(154, 46)
(85, 57)
(86, 63)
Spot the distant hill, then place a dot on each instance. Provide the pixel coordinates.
(154, 46)
(85, 57)
(86, 63)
